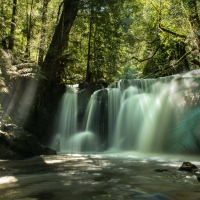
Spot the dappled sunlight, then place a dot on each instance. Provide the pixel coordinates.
(177, 165)
(53, 161)
(2, 161)
(8, 179)
(96, 156)
(65, 158)
(77, 155)
(85, 175)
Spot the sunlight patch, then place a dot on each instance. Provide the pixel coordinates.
(53, 161)
(8, 179)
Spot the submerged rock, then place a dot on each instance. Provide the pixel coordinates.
(161, 170)
(198, 178)
(189, 167)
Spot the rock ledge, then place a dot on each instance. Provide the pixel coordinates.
(16, 143)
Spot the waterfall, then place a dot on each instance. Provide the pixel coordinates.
(113, 110)
(87, 140)
(67, 120)
(152, 115)
(67, 137)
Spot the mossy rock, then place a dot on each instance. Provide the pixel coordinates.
(7, 153)
(24, 146)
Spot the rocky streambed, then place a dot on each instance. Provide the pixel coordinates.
(113, 176)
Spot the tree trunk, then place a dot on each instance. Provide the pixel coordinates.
(60, 41)
(43, 32)
(194, 19)
(88, 73)
(28, 31)
(13, 25)
(183, 65)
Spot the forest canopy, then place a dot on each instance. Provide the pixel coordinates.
(104, 40)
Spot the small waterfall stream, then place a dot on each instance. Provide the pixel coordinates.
(152, 115)
(87, 140)
(67, 119)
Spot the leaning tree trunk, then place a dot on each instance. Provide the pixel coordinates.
(60, 40)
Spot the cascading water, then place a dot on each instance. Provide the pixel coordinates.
(87, 140)
(67, 137)
(143, 118)
(113, 110)
(153, 115)
(67, 119)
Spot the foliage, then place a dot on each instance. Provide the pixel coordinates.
(28, 17)
(109, 39)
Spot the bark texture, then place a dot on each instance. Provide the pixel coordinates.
(59, 41)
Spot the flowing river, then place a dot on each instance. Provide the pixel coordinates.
(105, 176)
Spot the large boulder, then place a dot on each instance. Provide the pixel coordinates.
(16, 143)
(23, 145)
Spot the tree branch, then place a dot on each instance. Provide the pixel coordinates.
(170, 66)
(171, 32)
(183, 57)
(145, 59)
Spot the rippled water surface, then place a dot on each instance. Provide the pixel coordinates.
(92, 176)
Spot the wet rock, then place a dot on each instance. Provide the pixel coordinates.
(161, 170)
(188, 167)
(27, 145)
(16, 143)
(7, 153)
(198, 178)
(24, 146)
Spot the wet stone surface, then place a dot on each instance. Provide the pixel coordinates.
(98, 177)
